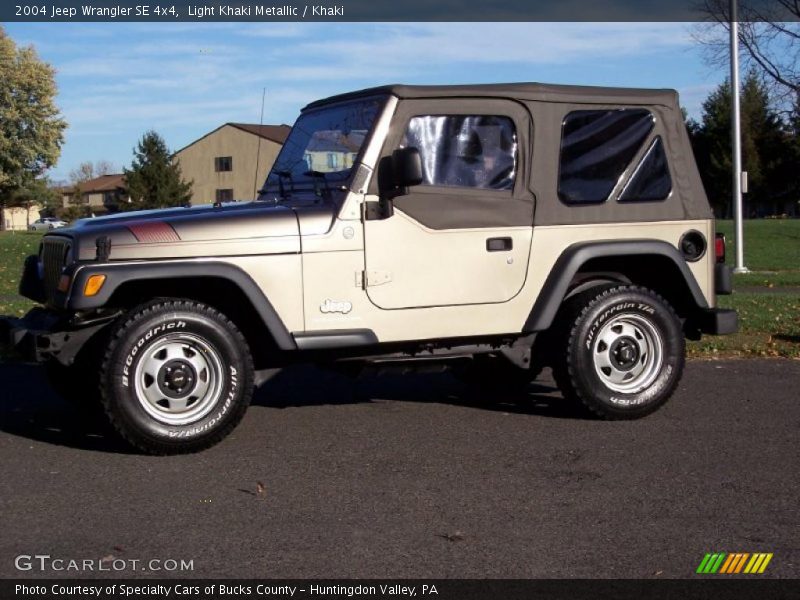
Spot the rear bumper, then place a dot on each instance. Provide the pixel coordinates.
(723, 279)
(718, 321)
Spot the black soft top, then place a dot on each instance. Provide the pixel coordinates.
(517, 91)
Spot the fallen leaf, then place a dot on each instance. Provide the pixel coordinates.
(452, 537)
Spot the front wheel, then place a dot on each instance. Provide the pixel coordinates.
(621, 351)
(177, 377)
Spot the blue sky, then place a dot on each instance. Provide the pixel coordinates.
(117, 80)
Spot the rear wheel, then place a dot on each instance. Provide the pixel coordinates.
(620, 351)
(177, 377)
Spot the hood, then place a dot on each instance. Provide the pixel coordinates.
(201, 231)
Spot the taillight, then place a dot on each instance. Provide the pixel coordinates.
(719, 247)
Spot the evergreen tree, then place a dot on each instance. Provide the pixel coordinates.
(712, 148)
(765, 149)
(154, 180)
(793, 157)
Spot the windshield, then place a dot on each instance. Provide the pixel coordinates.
(323, 145)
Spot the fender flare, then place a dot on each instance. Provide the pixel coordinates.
(575, 256)
(117, 274)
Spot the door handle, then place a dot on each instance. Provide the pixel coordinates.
(499, 244)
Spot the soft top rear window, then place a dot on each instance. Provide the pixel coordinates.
(596, 148)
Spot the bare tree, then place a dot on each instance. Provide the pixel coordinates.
(769, 32)
(103, 167)
(84, 172)
(89, 170)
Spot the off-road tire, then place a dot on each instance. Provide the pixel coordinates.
(177, 377)
(620, 351)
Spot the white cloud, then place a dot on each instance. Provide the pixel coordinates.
(124, 78)
(406, 47)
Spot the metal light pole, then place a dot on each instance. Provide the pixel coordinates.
(736, 139)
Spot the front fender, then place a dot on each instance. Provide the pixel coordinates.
(119, 273)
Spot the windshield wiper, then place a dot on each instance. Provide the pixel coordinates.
(317, 175)
(281, 189)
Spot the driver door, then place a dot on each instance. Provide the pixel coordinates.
(463, 236)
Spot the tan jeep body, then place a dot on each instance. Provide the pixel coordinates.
(527, 195)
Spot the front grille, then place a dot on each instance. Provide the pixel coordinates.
(54, 255)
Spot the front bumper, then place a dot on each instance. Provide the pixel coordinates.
(29, 335)
(43, 335)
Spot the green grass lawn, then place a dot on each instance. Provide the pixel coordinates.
(769, 325)
(771, 252)
(14, 247)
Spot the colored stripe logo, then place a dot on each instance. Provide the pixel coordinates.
(734, 563)
(152, 232)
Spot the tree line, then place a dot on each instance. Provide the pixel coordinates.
(770, 150)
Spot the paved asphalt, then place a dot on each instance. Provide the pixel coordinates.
(414, 477)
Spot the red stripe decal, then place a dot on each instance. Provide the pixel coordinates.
(153, 232)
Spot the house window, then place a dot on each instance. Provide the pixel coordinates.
(333, 160)
(477, 151)
(596, 148)
(224, 195)
(223, 163)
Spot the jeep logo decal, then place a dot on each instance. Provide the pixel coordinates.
(335, 306)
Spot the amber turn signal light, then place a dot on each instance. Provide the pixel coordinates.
(93, 285)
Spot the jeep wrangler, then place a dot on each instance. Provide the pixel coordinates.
(505, 227)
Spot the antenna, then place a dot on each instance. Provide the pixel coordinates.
(258, 152)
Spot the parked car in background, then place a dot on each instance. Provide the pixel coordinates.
(46, 224)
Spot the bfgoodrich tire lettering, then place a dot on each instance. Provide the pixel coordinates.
(621, 351)
(177, 377)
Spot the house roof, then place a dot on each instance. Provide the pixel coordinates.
(273, 133)
(104, 183)
(276, 133)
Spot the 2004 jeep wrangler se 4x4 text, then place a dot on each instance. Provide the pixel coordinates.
(506, 227)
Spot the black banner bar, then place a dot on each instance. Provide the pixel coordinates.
(716, 588)
(376, 10)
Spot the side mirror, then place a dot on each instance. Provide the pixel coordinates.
(407, 167)
(395, 174)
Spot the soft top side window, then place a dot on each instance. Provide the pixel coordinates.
(651, 180)
(476, 151)
(596, 148)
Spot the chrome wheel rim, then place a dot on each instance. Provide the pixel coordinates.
(179, 379)
(627, 354)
